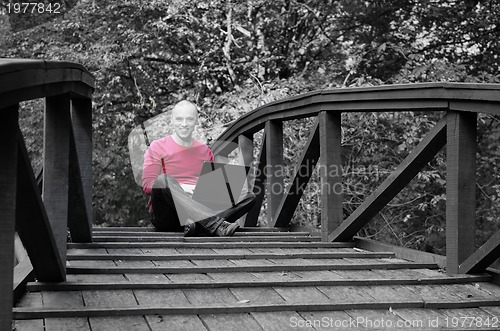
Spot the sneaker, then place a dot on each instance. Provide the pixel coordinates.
(190, 230)
(226, 229)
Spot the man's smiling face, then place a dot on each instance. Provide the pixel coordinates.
(184, 119)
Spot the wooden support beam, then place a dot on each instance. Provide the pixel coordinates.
(303, 171)
(274, 168)
(483, 257)
(23, 273)
(8, 184)
(460, 188)
(80, 172)
(245, 145)
(397, 180)
(56, 166)
(257, 185)
(400, 252)
(33, 224)
(330, 140)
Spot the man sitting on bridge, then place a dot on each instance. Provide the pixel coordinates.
(170, 173)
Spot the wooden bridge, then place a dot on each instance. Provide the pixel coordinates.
(271, 278)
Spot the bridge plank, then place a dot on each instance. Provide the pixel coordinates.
(494, 311)
(375, 307)
(97, 278)
(193, 278)
(257, 295)
(161, 251)
(252, 263)
(27, 325)
(181, 264)
(244, 266)
(232, 277)
(346, 294)
(114, 323)
(108, 239)
(460, 188)
(175, 322)
(57, 299)
(107, 299)
(244, 280)
(277, 320)
(240, 322)
(147, 278)
(433, 293)
(92, 263)
(133, 263)
(210, 296)
(30, 300)
(213, 263)
(387, 293)
(306, 294)
(164, 297)
(61, 324)
(221, 244)
(392, 185)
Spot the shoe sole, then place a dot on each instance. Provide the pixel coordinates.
(232, 229)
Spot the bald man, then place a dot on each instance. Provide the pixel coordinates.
(171, 169)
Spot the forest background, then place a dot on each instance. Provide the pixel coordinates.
(231, 56)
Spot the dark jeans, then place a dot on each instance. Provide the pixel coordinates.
(171, 204)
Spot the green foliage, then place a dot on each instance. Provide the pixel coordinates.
(231, 56)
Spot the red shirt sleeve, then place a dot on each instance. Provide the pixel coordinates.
(151, 168)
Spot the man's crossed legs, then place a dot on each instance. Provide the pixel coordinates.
(170, 204)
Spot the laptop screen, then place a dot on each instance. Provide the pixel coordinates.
(220, 185)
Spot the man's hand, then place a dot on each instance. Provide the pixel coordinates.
(188, 188)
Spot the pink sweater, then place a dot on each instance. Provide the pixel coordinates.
(182, 163)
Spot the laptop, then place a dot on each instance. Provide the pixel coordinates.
(220, 185)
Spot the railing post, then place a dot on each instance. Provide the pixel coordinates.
(257, 185)
(56, 167)
(245, 145)
(80, 185)
(274, 169)
(460, 188)
(330, 139)
(8, 184)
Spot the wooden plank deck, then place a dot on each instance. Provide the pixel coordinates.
(137, 279)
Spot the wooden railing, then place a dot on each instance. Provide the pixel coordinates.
(457, 130)
(42, 224)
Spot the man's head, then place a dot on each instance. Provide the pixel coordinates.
(184, 119)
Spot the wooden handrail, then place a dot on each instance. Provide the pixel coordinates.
(67, 177)
(478, 98)
(457, 130)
